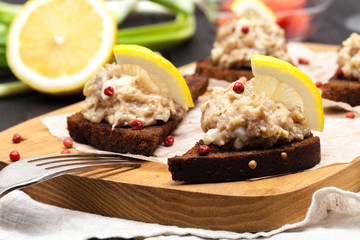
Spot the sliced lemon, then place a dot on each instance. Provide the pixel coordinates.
(54, 46)
(157, 65)
(281, 81)
(253, 9)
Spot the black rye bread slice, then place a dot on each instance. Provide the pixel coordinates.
(223, 166)
(340, 89)
(207, 68)
(127, 140)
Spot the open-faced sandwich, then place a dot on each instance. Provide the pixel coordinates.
(235, 41)
(344, 86)
(132, 105)
(256, 128)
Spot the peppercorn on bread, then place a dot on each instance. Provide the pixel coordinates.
(248, 134)
(223, 165)
(125, 139)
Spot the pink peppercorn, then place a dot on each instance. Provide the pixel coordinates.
(350, 115)
(245, 29)
(14, 155)
(109, 91)
(16, 138)
(339, 72)
(318, 84)
(169, 140)
(136, 124)
(203, 150)
(65, 151)
(238, 87)
(68, 143)
(303, 61)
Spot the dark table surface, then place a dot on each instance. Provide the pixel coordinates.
(19, 108)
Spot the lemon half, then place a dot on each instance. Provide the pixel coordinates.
(157, 65)
(281, 81)
(253, 9)
(54, 46)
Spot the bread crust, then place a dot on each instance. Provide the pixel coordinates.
(207, 68)
(126, 140)
(342, 90)
(223, 166)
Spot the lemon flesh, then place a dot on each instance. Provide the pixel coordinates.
(159, 66)
(281, 81)
(54, 46)
(253, 9)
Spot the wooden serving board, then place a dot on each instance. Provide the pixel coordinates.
(148, 194)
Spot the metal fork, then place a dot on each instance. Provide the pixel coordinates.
(29, 171)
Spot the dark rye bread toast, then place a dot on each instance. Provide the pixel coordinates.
(340, 89)
(207, 68)
(127, 140)
(223, 166)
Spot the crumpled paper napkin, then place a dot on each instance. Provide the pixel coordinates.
(322, 66)
(336, 130)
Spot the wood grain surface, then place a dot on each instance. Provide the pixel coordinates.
(148, 194)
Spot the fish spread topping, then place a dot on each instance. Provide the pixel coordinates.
(119, 94)
(238, 39)
(249, 120)
(349, 57)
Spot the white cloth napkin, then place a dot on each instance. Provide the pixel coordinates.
(333, 214)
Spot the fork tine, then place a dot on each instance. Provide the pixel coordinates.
(64, 159)
(68, 168)
(53, 172)
(124, 156)
(84, 164)
(33, 170)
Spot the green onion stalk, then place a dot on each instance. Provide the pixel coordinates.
(158, 36)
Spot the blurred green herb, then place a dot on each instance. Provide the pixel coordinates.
(158, 36)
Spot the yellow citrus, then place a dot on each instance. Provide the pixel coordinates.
(54, 46)
(281, 81)
(158, 66)
(253, 9)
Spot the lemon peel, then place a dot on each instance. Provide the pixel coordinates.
(281, 81)
(156, 64)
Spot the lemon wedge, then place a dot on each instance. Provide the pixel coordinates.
(157, 65)
(281, 81)
(55, 46)
(253, 9)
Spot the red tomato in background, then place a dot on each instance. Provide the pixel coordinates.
(297, 25)
(297, 22)
(224, 18)
(225, 5)
(282, 5)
